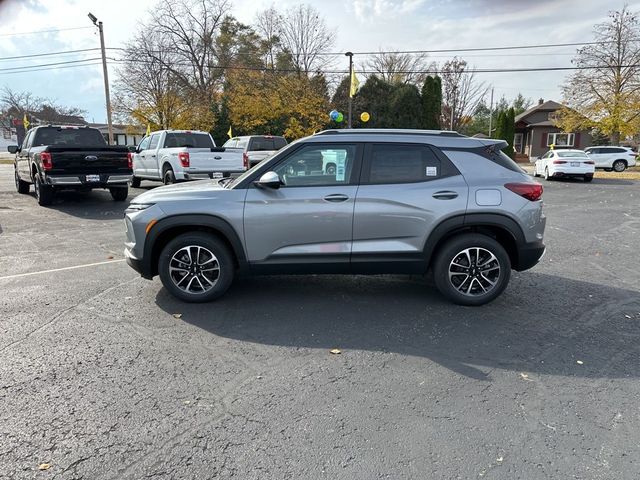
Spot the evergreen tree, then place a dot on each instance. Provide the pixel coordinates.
(405, 107)
(374, 98)
(431, 103)
(500, 125)
(222, 122)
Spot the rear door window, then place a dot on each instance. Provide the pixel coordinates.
(242, 143)
(403, 163)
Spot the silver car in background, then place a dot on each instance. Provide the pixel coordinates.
(351, 202)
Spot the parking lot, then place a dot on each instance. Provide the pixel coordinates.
(104, 375)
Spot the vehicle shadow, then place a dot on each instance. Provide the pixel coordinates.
(542, 324)
(93, 205)
(613, 181)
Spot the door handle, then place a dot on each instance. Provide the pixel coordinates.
(445, 195)
(336, 197)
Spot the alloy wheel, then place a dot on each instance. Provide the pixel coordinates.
(474, 271)
(194, 269)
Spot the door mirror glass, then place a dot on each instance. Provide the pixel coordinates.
(12, 148)
(269, 180)
(133, 148)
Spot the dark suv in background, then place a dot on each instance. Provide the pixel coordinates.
(353, 202)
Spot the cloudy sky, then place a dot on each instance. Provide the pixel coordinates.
(360, 25)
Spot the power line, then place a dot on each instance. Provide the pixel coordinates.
(43, 31)
(47, 64)
(34, 55)
(28, 70)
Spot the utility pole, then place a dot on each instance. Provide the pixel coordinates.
(453, 106)
(491, 113)
(106, 75)
(350, 55)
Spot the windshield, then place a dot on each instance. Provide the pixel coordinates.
(572, 155)
(72, 137)
(189, 140)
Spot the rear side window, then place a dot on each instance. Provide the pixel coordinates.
(242, 143)
(259, 144)
(188, 139)
(72, 137)
(397, 163)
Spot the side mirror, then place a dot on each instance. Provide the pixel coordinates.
(269, 180)
(133, 149)
(13, 148)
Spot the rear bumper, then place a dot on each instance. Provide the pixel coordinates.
(529, 255)
(106, 180)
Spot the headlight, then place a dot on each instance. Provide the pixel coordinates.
(138, 207)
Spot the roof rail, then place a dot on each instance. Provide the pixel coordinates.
(390, 131)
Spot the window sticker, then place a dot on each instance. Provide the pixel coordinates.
(340, 169)
(432, 171)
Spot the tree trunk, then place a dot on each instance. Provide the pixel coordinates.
(615, 138)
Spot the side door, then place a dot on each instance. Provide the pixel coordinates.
(149, 157)
(138, 164)
(598, 155)
(22, 157)
(308, 221)
(405, 191)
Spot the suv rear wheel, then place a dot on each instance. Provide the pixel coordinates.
(619, 166)
(472, 269)
(196, 267)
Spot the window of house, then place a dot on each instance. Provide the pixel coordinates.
(560, 139)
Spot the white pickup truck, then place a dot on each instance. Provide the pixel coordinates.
(171, 155)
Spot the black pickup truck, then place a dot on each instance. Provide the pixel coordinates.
(70, 158)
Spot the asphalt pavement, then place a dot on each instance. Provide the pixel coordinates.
(103, 375)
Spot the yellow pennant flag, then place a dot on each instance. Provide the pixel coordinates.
(25, 122)
(148, 129)
(355, 84)
(229, 132)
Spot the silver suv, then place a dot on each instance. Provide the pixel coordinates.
(348, 201)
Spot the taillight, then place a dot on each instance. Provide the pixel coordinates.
(47, 162)
(589, 162)
(184, 158)
(245, 160)
(530, 191)
(130, 160)
(559, 162)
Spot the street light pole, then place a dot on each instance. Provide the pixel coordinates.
(106, 75)
(350, 55)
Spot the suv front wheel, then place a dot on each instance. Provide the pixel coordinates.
(196, 267)
(472, 269)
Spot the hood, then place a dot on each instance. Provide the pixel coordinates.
(182, 191)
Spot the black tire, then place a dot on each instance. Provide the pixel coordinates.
(44, 193)
(135, 182)
(588, 178)
(482, 274)
(21, 186)
(547, 177)
(119, 194)
(168, 177)
(210, 243)
(619, 166)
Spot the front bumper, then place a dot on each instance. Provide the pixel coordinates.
(529, 255)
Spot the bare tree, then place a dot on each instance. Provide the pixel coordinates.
(268, 25)
(190, 29)
(404, 68)
(306, 38)
(461, 93)
(605, 92)
(145, 90)
(19, 102)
